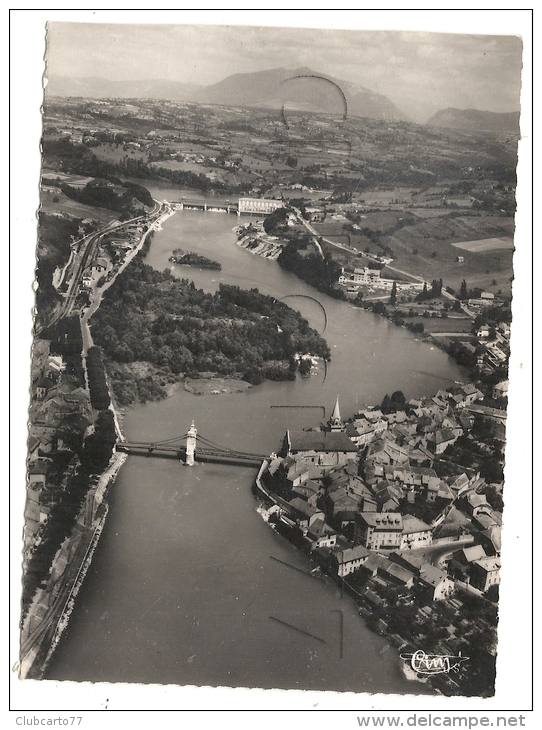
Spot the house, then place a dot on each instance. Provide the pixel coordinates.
(356, 487)
(345, 561)
(416, 534)
(435, 582)
(40, 353)
(309, 491)
(459, 484)
(43, 386)
(439, 441)
(340, 501)
(411, 562)
(396, 574)
(411, 476)
(387, 495)
(373, 600)
(431, 490)
(376, 530)
(490, 540)
(99, 265)
(470, 393)
(361, 432)
(315, 215)
(486, 520)
(297, 474)
(33, 513)
(55, 365)
(476, 503)
(304, 513)
(320, 534)
(386, 451)
(485, 573)
(466, 422)
(372, 472)
(460, 562)
(374, 417)
(500, 390)
(33, 449)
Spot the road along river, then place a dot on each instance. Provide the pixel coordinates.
(182, 588)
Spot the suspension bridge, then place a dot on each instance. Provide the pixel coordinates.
(189, 449)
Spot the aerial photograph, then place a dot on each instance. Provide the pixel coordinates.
(268, 385)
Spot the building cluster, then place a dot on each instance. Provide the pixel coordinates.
(371, 506)
(355, 279)
(59, 412)
(495, 346)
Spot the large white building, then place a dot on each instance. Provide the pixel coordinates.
(360, 276)
(259, 205)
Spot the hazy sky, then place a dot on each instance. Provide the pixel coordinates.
(420, 72)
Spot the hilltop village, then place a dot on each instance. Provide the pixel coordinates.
(402, 504)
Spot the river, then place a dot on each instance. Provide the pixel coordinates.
(182, 587)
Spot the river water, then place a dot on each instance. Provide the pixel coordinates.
(183, 588)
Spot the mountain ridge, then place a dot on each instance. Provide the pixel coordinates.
(277, 88)
(288, 90)
(95, 87)
(301, 88)
(475, 120)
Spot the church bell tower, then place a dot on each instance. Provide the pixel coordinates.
(335, 422)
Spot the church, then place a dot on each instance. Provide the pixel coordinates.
(330, 447)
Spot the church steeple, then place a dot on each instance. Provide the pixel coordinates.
(335, 422)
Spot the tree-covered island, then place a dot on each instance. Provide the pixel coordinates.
(189, 258)
(155, 329)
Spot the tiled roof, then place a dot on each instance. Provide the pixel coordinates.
(320, 441)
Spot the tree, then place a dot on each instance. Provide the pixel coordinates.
(393, 296)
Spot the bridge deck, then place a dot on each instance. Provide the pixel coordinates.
(179, 452)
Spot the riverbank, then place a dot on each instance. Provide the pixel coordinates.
(432, 318)
(254, 239)
(271, 515)
(49, 612)
(214, 386)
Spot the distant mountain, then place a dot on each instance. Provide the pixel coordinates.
(98, 88)
(302, 89)
(476, 120)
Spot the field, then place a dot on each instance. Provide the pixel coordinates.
(455, 325)
(427, 248)
(56, 202)
(486, 244)
(114, 153)
(75, 180)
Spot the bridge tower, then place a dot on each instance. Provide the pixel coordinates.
(191, 445)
